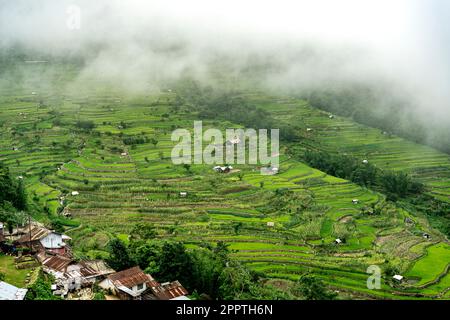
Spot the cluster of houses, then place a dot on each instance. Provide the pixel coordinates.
(52, 251)
(134, 284)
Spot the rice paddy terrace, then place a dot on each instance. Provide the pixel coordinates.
(281, 225)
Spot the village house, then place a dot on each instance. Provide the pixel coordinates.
(398, 278)
(38, 238)
(128, 284)
(71, 276)
(134, 284)
(269, 170)
(10, 292)
(223, 169)
(169, 291)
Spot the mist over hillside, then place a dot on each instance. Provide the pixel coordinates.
(386, 58)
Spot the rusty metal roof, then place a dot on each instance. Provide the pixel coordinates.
(37, 233)
(58, 263)
(98, 266)
(130, 277)
(167, 291)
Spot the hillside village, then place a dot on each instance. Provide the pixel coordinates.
(298, 217)
(35, 246)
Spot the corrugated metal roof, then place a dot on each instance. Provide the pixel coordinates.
(10, 292)
(57, 263)
(181, 298)
(168, 291)
(130, 277)
(37, 233)
(100, 267)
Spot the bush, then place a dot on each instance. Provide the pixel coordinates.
(86, 125)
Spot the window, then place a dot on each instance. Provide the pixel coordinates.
(140, 286)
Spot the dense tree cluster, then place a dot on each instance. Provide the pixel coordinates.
(134, 140)
(41, 289)
(85, 125)
(12, 192)
(393, 184)
(376, 108)
(312, 288)
(208, 271)
(230, 106)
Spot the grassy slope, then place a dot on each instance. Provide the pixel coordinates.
(13, 275)
(122, 190)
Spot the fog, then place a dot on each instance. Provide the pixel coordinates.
(282, 46)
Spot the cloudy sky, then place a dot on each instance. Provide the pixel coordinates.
(404, 41)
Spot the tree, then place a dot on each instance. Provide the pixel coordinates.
(119, 258)
(312, 288)
(154, 142)
(187, 167)
(143, 231)
(175, 263)
(57, 226)
(145, 254)
(237, 227)
(86, 125)
(10, 190)
(41, 289)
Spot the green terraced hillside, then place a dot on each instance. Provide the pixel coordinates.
(282, 225)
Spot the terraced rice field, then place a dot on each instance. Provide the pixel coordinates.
(119, 185)
(380, 148)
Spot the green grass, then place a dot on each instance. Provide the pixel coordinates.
(432, 264)
(143, 187)
(13, 275)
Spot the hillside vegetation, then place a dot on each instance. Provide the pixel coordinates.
(114, 148)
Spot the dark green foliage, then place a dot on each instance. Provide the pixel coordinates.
(377, 108)
(174, 263)
(85, 125)
(134, 140)
(11, 190)
(235, 109)
(394, 184)
(145, 253)
(312, 288)
(208, 271)
(41, 289)
(143, 231)
(57, 226)
(119, 258)
(399, 185)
